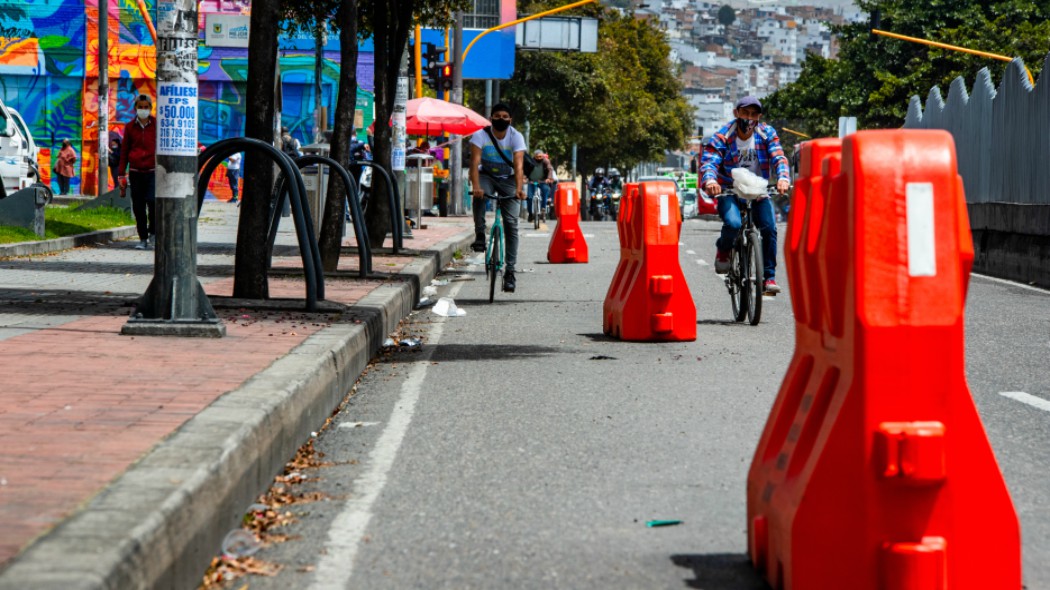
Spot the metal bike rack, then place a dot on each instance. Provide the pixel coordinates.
(392, 197)
(210, 159)
(360, 230)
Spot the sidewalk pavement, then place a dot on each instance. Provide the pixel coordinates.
(125, 460)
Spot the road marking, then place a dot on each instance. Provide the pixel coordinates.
(537, 235)
(1012, 284)
(702, 262)
(349, 526)
(357, 424)
(690, 251)
(1025, 398)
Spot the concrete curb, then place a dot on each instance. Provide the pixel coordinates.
(68, 242)
(160, 523)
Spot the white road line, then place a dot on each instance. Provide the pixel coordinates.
(690, 251)
(702, 262)
(537, 235)
(349, 526)
(358, 424)
(1025, 398)
(1012, 284)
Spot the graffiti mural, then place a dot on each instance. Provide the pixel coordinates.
(49, 72)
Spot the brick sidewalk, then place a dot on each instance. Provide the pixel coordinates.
(81, 403)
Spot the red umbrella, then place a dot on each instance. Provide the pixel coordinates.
(430, 116)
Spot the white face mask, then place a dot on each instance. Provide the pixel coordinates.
(142, 113)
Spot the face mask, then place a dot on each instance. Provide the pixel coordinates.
(746, 125)
(142, 113)
(500, 124)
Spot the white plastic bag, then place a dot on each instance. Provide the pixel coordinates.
(446, 307)
(749, 185)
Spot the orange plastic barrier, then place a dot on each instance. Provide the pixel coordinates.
(874, 471)
(567, 243)
(649, 299)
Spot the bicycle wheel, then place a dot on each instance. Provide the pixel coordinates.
(735, 281)
(535, 213)
(756, 274)
(496, 261)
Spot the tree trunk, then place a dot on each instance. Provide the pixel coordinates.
(346, 101)
(392, 21)
(250, 272)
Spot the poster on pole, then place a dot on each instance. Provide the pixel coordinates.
(176, 119)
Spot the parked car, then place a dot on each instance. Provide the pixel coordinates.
(18, 152)
(689, 203)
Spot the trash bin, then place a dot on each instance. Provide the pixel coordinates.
(419, 184)
(316, 180)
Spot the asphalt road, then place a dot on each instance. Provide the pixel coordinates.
(503, 454)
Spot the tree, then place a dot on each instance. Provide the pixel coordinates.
(874, 77)
(626, 100)
(726, 15)
(390, 22)
(250, 267)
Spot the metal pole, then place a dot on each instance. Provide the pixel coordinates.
(488, 98)
(103, 97)
(455, 198)
(174, 304)
(319, 43)
(397, 158)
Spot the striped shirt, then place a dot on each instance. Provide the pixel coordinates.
(721, 155)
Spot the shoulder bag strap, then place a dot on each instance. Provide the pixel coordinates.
(495, 144)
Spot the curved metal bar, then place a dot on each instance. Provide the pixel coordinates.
(395, 209)
(210, 159)
(364, 250)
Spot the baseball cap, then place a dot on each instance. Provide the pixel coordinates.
(748, 101)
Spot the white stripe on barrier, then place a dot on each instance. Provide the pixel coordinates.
(665, 212)
(922, 246)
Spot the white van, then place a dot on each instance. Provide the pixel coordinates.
(18, 151)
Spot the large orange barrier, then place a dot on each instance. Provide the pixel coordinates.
(567, 243)
(648, 299)
(874, 471)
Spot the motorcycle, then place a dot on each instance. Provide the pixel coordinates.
(597, 206)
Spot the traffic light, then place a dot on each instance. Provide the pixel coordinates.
(445, 75)
(432, 71)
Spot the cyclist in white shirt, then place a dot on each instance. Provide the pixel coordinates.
(491, 175)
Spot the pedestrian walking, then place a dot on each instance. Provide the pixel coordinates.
(67, 156)
(139, 158)
(233, 174)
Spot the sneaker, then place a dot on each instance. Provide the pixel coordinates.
(142, 245)
(771, 287)
(531, 217)
(722, 262)
(508, 281)
(479, 243)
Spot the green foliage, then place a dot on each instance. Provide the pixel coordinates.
(69, 221)
(726, 15)
(621, 106)
(874, 77)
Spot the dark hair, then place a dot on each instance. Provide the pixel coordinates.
(143, 97)
(500, 107)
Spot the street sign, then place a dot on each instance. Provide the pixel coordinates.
(558, 34)
(226, 30)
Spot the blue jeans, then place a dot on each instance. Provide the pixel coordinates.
(510, 207)
(765, 221)
(545, 194)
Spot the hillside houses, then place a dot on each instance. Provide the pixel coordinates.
(759, 52)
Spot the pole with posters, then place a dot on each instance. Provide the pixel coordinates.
(397, 156)
(103, 97)
(174, 304)
(456, 201)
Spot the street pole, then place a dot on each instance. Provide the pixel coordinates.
(174, 304)
(103, 97)
(455, 199)
(397, 156)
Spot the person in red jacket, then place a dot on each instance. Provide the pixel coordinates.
(139, 151)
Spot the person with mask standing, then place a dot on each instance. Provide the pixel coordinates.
(139, 151)
(67, 156)
(745, 142)
(491, 175)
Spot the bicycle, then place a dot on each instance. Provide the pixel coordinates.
(744, 281)
(494, 252)
(536, 202)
